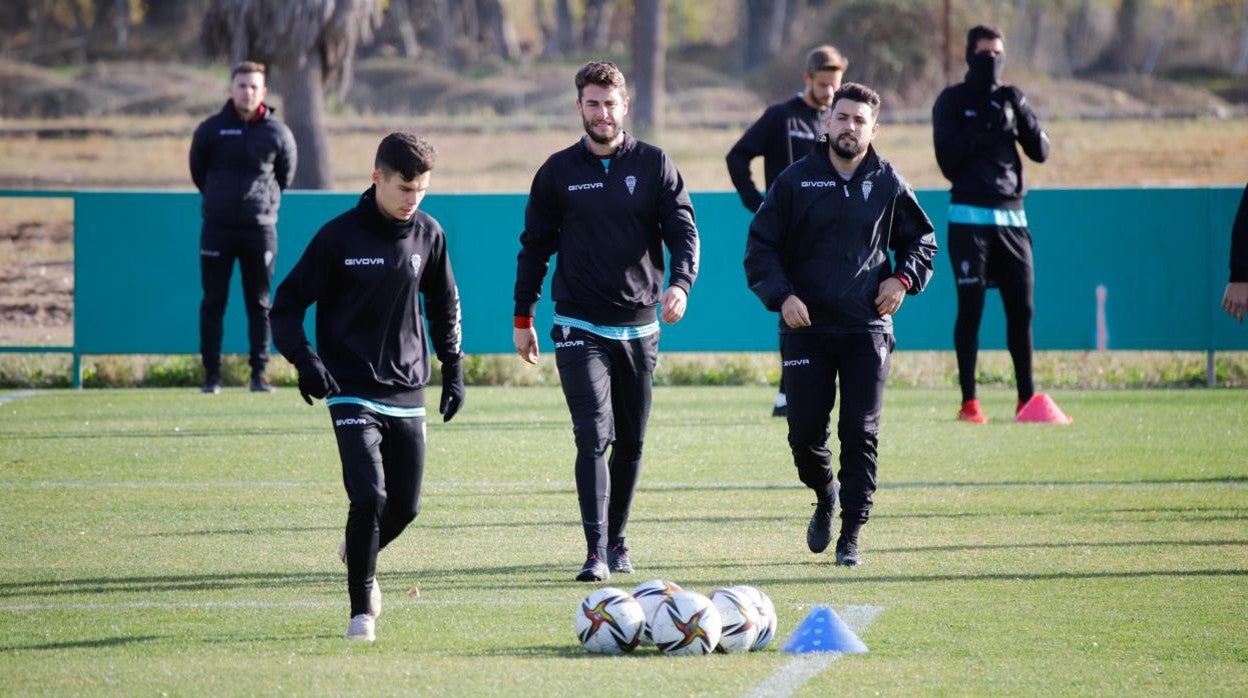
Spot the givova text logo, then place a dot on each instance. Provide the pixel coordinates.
(350, 422)
(588, 185)
(788, 363)
(364, 261)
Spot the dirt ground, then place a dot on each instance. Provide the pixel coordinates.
(36, 274)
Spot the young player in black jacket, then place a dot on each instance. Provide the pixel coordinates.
(784, 134)
(241, 159)
(608, 205)
(367, 271)
(818, 253)
(978, 125)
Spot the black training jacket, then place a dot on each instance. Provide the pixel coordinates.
(782, 135)
(609, 229)
(241, 168)
(975, 134)
(1239, 241)
(367, 273)
(827, 240)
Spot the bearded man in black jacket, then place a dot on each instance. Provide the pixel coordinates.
(818, 254)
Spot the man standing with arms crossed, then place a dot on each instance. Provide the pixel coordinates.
(368, 271)
(976, 125)
(818, 253)
(242, 159)
(608, 205)
(784, 134)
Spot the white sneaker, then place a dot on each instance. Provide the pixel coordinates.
(374, 596)
(361, 628)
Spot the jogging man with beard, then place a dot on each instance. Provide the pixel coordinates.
(784, 134)
(818, 253)
(607, 205)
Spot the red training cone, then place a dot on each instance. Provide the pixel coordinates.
(1041, 409)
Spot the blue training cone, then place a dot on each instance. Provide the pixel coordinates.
(823, 631)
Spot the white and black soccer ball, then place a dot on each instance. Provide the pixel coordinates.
(609, 621)
(739, 618)
(767, 621)
(686, 623)
(650, 594)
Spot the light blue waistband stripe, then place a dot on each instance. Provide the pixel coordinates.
(379, 408)
(976, 215)
(608, 331)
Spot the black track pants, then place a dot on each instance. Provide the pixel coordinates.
(983, 256)
(383, 463)
(255, 248)
(606, 383)
(813, 363)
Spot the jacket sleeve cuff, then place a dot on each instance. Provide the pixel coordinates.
(905, 280)
(522, 322)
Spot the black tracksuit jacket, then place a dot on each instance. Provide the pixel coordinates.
(783, 135)
(367, 273)
(242, 168)
(826, 241)
(609, 229)
(975, 133)
(1239, 241)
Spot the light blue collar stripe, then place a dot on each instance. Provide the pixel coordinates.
(608, 331)
(977, 215)
(379, 408)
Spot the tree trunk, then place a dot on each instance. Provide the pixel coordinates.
(597, 34)
(649, 61)
(303, 99)
(401, 14)
(497, 31)
(1241, 63)
(565, 36)
(755, 32)
(1117, 56)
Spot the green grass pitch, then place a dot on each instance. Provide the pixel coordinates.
(164, 542)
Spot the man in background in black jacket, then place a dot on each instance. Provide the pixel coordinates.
(367, 271)
(978, 125)
(242, 159)
(608, 205)
(784, 134)
(818, 253)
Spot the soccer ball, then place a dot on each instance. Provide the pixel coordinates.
(609, 621)
(767, 620)
(739, 616)
(685, 623)
(650, 594)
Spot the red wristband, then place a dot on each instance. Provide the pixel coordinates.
(903, 279)
(522, 322)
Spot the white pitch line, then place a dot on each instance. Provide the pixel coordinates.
(18, 395)
(804, 667)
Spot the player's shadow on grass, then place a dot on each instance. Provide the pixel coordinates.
(258, 531)
(82, 644)
(569, 650)
(169, 584)
(181, 433)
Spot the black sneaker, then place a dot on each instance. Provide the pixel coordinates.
(211, 387)
(847, 551)
(617, 559)
(780, 411)
(261, 385)
(594, 570)
(819, 532)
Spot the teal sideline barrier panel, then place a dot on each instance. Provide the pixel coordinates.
(1158, 256)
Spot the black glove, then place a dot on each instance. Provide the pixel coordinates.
(314, 380)
(452, 389)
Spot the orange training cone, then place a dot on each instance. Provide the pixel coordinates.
(1041, 409)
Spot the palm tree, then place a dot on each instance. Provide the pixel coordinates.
(310, 44)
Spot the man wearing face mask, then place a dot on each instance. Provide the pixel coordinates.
(977, 125)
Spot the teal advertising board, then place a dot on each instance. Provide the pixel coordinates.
(1128, 268)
